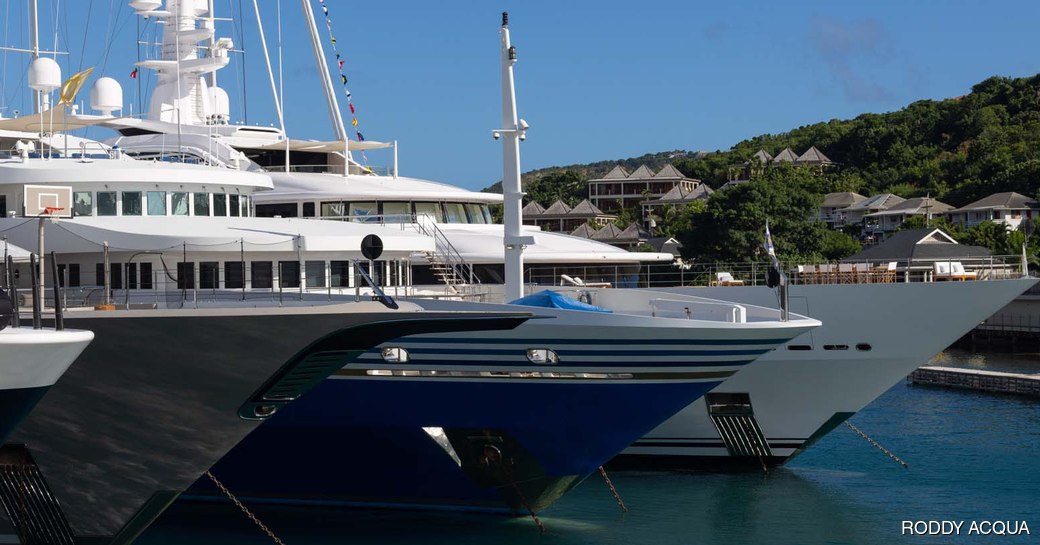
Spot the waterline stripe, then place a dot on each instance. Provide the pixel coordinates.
(542, 375)
(651, 342)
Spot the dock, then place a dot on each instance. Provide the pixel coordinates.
(974, 379)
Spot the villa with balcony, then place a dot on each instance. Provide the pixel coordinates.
(619, 189)
(1008, 208)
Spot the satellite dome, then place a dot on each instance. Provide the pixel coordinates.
(106, 96)
(44, 74)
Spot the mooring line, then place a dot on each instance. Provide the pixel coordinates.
(875, 443)
(610, 485)
(244, 509)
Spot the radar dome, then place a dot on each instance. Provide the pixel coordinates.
(44, 75)
(221, 104)
(145, 5)
(106, 96)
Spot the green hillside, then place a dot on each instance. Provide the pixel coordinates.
(957, 150)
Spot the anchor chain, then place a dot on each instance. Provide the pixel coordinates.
(245, 510)
(610, 485)
(879, 447)
(494, 456)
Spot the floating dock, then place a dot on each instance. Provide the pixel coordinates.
(973, 379)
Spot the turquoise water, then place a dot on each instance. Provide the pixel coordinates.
(971, 456)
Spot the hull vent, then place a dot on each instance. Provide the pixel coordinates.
(28, 501)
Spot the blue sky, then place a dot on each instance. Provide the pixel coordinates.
(595, 80)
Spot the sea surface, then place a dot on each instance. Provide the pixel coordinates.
(972, 457)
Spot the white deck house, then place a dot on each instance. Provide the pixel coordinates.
(1009, 208)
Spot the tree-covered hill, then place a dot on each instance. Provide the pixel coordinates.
(957, 150)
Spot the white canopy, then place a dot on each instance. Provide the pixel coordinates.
(53, 120)
(317, 146)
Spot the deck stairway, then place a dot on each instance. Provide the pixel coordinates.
(445, 261)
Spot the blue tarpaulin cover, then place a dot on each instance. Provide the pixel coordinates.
(551, 299)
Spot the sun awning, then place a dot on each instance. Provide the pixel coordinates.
(53, 120)
(317, 146)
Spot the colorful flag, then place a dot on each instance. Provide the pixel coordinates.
(351, 104)
(133, 75)
(341, 65)
(354, 122)
(73, 85)
(359, 137)
(344, 77)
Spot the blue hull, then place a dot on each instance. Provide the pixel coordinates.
(15, 405)
(516, 446)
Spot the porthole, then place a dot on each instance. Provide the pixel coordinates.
(864, 347)
(835, 347)
(263, 411)
(799, 347)
(394, 354)
(542, 356)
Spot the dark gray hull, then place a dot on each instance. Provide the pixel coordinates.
(154, 401)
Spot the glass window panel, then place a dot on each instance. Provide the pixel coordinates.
(308, 210)
(178, 204)
(106, 203)
(362, 209)
(235, 206)
(185, 275)
(289, 274)
(454, 212)
(132, 203)
(474, 214)
(116, 275)
(333, 209)
(82, 203)
(315, 274)
(219, 204)
(99, 274)
(201, 204)
(233, 277)
(397, 211)
(245, 206)
(156, 203)
(209, 275)
(486, 211)
(431, 209)
(131, 276)
(341, 276)
(261, 274)
(146, 275)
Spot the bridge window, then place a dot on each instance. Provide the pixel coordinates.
(475, 214)
(106, 203)
(308, 209)
(233, 277)
(219, 204)
(234, 206)
(82, 203)
(132, 203)
(397, 211)
(209, 275)
(431, 209)
(156, 203)
(454, 212)
(285, 210)
(178, 204)
(289, 274)
(362, 209)
(340, 273)
(201, 204)
(315, 274)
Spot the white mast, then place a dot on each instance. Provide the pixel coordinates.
(325, 75)
(34, 46)
(511, 133)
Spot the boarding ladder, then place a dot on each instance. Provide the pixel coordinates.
(28, 501)
(735, 421)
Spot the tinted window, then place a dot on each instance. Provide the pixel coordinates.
(156, 203)
(289, 274)
(202, 204)
(235, 206)
(178, 204)
(315, 274)
(308, 210)
(106, 203)
(233, 277)
(340, 272)
(260, 274)
(146, 276)
(219, 204)
(285, 210)
(132, 203)
(82, 203)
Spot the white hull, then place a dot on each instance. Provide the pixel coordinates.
(36, 358)
(795, 393)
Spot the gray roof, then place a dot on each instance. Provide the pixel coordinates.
(616, 173)
(732, 183)
(608, 232)
(583, 231)
(813, 156)
(676, 195)
(916, 205)
(762, 156)
(1001, 201)
(586, 208)
(841, 199)
(669, 171)
(532, 209)
(641, 173)
(917, 244)
(632, 233)
(883, 201)
(665, 244)
(558, 208)
(785, 155)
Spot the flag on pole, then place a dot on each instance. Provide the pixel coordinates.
(769, 247)
(133, 74)
(71, 87)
